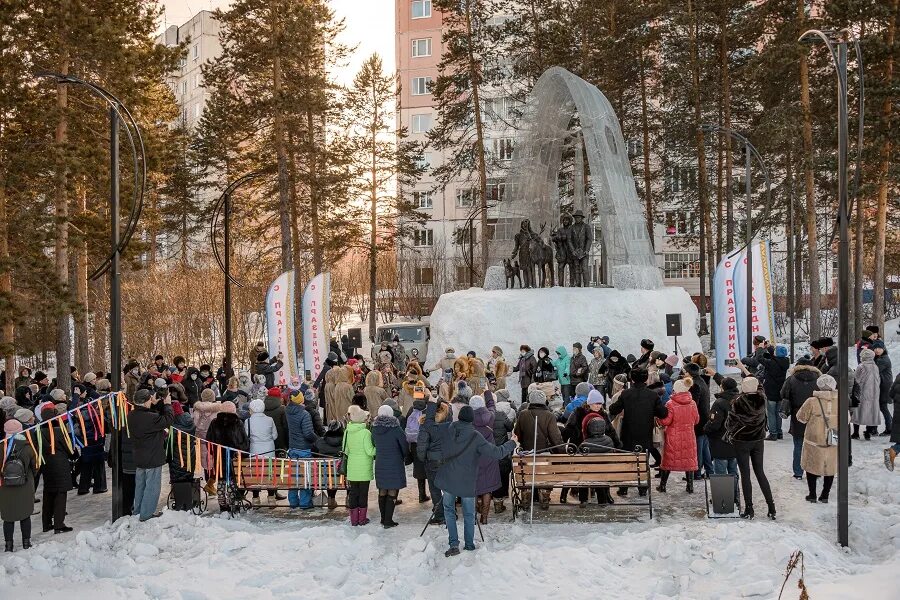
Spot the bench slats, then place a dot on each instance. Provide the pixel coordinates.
(593, 478)
(580, 459)
(565, 469)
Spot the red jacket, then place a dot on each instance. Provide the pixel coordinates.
(680, 450)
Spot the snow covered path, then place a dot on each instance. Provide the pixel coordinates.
(567, 553)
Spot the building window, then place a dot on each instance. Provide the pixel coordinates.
(423, 276)
(423, 238)
(503, 148)
(421, 123)
(421, 86)
(197, 110)
(680, 179)
(423, 161)
(184, 87)
(197, 81)
(682, 265)
(422, 199)
(680, 222)
(503, 108)
(421, 9)
(465, 198)
(496, 190)
(421, 47)
(184, 114)
(196, 52)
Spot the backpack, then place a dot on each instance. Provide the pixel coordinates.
(14, 473)
(412, 426)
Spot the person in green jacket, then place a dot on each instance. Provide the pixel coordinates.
(360, 453)
(562, 363)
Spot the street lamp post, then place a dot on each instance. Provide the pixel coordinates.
(118, 243)
(749, 152)
(839, 58)
(222, 209)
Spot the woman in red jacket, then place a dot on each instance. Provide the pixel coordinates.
(680, 450)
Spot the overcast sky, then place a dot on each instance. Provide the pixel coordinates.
(369, 26)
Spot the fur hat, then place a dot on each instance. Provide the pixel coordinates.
(583, 389)
(874, 329)
(647, 344)
(826, 383)
(24, 415)
(692, 368)
(466, 414)
(866, 334)
(823, 342)
(103, 385)
(207, 395)
(639, 375)
(385, 411)
(750, 385)
(464, 393)
(58, 395)
(262, 357)
(476, 402)
(358, 415)
(595, 397)
(683, 385)
(257, 406)
(39, 376)
(12, 427)
(89, 377)
(729, 384)
(228, 407)
(804, 361)
(142, 396)
(498, 350)
(536, 396)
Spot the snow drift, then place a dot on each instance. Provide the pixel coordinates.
(476, 319)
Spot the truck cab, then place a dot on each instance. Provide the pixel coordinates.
(414, 336)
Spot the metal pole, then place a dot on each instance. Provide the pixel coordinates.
(472, 250)
(115, 311)
(843, 304)
(790, 269)
(704, 329)
(228, 346)
(749, 252)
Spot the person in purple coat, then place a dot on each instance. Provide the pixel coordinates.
(488, 478)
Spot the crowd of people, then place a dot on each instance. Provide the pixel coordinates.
(456, 429)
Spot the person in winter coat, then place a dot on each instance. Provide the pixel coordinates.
(24, 378)
(526, 368)
(867, 391)
(275, 410)
(446, 362)
(342, 396)
(391, 449)
(149, 429)
(268, 367)
(312, 407)
(700, 394)
(374, 390)
(234, 393)
(463, 446)
(262, 435)
(723, 455)
(413, 379)
(56, 472)
(319, 385)
(595, 378)
(797, 389)
(537, 432)
(17, 497)
(890, 454)
(429, 449)
(360, 453)
(820, 414)
(132, 379)
(227, 430)
(461, 398)
(596, 442)
(883, 362)
(204, 413)
(645, 360)
(301, 440)
(487, 480)
(776, 363)
(180, 456)
(680, 452)
(544, 371)
(745, 426)
(562, 364)
(615, 364)
(411, 427)
(498, 368)
(331, 445)
(193, 386)
(504, 417)
(254, 353)
(579, 369)
(23, 397)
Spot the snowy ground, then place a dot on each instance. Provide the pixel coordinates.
(567, 553)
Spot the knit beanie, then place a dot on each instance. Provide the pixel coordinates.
(177, 409)
(257, 406)
(358, 415)
(274, 391)
(58, 395)
(476, 402)
(750, 385)
(207, 395)
(12, 427)
(385, 411)
(537, 397)
(23, 415)
(826, 383)
(466, 414)
(729, 384)
(866, 334)
(672, 360)
(595, 397)
(583, 388)
(781, 351)
(683, 385)
(89, 377)
(502, 395)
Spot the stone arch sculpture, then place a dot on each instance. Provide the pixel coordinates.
(558, 98)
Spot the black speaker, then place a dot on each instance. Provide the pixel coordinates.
(355, 336)
(673, 325)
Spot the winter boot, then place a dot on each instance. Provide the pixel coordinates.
(499, 507)
(354, 516)
(748, 513)
(382, 507)
(210, 487)
(332, 503)
(771, 513)
(564, 496)
(889, 456)
(663, 479)
(690, 483)
(387, 519)
(485, 508)
(26, 543)
(363, 520)
(545, 499)
(9, 547)
(423, 496)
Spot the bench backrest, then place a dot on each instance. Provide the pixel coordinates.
(582, 470)
(284, 473)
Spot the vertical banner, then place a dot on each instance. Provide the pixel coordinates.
(316, 323)
(740, 299)
(280, 325)
(763, 298)
(725, 315)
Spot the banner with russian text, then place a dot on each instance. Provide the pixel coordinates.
(726, 330)
(280, 326)
(316, 323)
(763, 300)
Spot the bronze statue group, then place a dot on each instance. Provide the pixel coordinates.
(532, 258)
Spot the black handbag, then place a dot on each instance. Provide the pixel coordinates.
(342, 458)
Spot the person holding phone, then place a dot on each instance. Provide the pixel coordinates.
(148, 428)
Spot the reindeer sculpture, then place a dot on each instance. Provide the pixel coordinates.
(543, 258)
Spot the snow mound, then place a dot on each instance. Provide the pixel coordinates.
(477, 319)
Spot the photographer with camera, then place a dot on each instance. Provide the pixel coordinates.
(148, 425)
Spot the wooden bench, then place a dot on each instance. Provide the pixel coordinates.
(613, 470)
(257, 473)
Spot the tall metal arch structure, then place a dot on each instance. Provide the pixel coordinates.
(559, 98)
